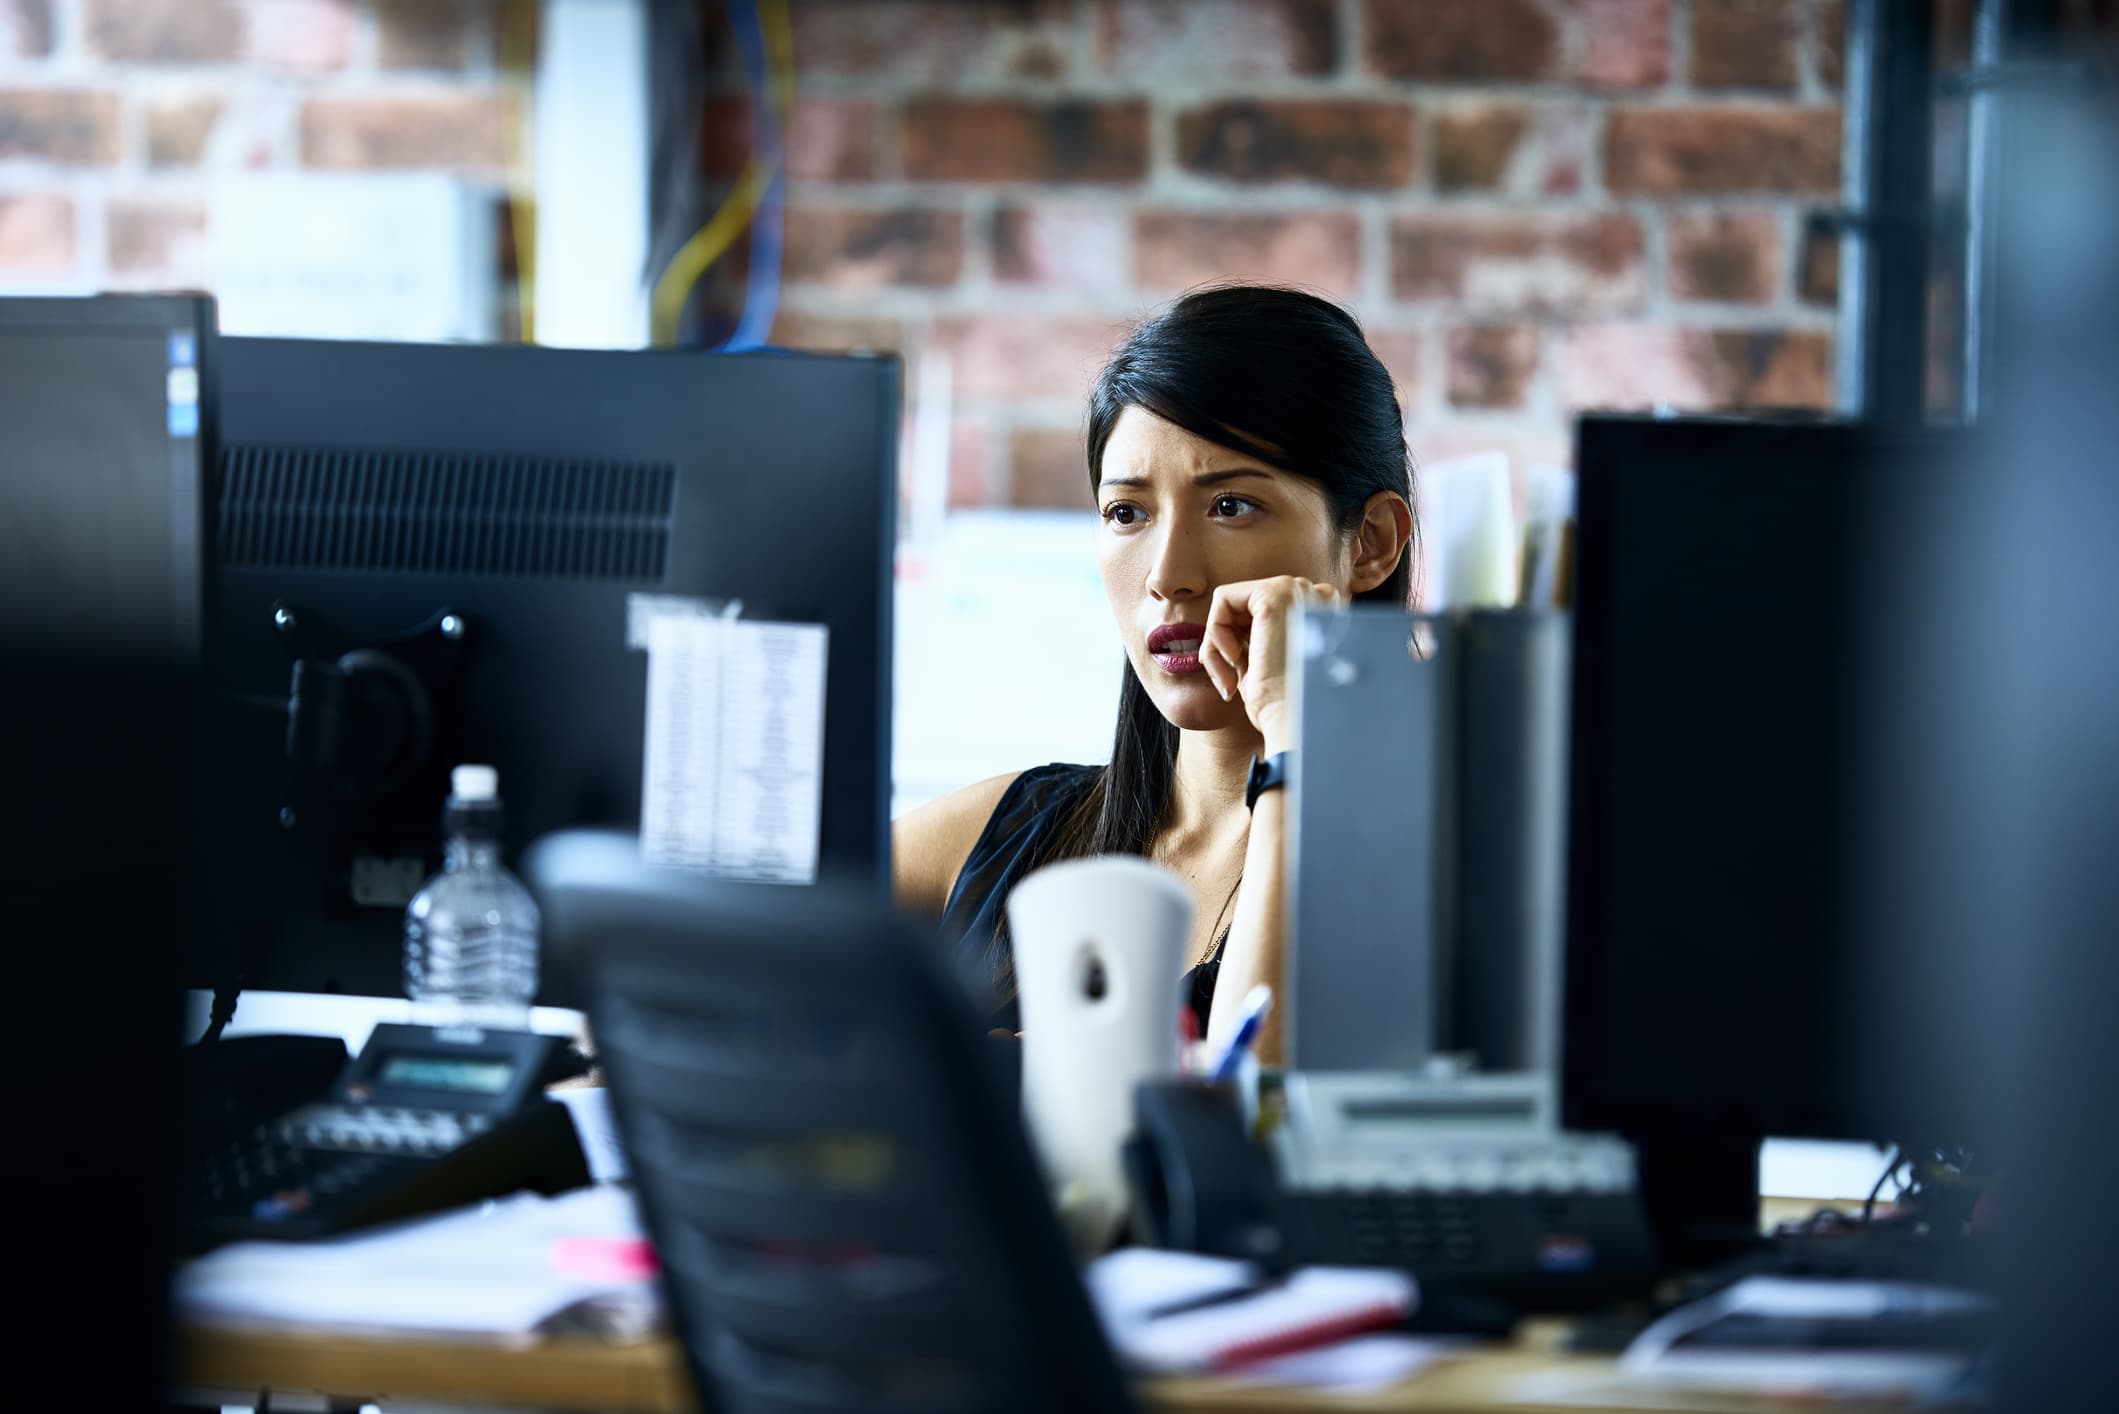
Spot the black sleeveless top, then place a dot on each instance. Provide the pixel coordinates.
(1008, 848)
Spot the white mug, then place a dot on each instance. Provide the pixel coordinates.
(1100, 946)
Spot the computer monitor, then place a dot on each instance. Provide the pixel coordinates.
(101, 586)
(105, 409)
(426, 558)
(1716, 981)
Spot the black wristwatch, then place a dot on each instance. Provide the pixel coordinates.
(1267, 773)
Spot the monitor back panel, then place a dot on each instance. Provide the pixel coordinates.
(366, 489)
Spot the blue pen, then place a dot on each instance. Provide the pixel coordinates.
(1256, 1004)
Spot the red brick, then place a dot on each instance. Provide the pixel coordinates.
(1048, 469)
(1003, 140)
(1228, 39)
(827, 333)
(1946, 343)
(1672, 151)
(427, 34)
(1952, 26)
(1640, 365)
(1474, 40)
(1492, 366)
(1026, 356)
(857, 249)
(36, 236)
(828, 139)
(160, 238)
(1520, 263)
(167, 31)
(1526, 150)
(970, 466)
(1176, 249)
(304, 36)
(177, 130)
(25, 28)
(1621, 43)
(1345, 142)
(66, 126)
(1398, 350)
(1733, 257)
(1527, 440)
(1078, 248)
(2090, 19)
(936, 41)
(1745, 43)
(466, 131)
(1830, 28)
(1475, 147)
(1817, 271)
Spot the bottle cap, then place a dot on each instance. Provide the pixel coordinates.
(475, 783)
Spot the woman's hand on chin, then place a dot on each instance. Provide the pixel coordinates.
(1245, 647)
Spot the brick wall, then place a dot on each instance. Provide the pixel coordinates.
(116, 116)
(1533, 205)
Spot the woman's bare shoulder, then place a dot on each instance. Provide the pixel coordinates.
(928, 846)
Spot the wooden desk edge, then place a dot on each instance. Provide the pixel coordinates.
(648, 1377)
(641, 1377)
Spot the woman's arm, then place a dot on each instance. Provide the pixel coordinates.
(1244, 651)
(928, 846)
(1257, 947)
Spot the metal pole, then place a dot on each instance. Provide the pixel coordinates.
(2007, 30)
(1884, 252)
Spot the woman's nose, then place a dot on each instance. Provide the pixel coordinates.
(1176, 573)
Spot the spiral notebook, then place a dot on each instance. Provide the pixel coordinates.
(1180, 1311)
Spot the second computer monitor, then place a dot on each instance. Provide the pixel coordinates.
(430, 555)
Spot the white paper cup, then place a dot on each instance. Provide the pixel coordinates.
(1100, 946)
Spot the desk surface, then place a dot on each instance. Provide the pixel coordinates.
(648, 1377)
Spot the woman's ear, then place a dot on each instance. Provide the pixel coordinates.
(1386, 529)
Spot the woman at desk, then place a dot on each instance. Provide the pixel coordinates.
(1244, 449)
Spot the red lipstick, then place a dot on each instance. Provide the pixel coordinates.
(1175, 647)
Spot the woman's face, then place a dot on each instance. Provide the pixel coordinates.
(1182, 516)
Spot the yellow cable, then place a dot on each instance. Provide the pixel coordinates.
(518, 56)
(673, 288)
(780, 53)
(698, 254)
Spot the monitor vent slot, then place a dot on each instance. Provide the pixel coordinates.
(391, 512)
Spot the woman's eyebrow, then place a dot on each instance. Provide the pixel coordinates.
(1205, 478)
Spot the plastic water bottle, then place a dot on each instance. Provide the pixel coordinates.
(471, 932)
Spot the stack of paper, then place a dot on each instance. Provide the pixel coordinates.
(1170, 1312)
(512, 1269)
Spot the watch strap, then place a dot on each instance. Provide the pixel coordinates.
(1267, 773)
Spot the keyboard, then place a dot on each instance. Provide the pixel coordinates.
(1550, 1246)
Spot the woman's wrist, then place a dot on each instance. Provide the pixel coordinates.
(1275, 731)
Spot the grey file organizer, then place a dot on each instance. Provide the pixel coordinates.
(1426, 842)
(1362, 843)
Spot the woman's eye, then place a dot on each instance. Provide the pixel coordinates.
(1231, 505)
(1119, 513)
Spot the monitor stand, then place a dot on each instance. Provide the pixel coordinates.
(1702, 1197)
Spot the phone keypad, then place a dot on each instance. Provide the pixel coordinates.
(323, 1156)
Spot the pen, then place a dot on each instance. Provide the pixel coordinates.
(1255, 1006)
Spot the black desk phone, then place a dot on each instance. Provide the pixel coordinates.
(1467, 1184)
(422, 1119)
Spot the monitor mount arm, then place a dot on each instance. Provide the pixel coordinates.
(362, 723)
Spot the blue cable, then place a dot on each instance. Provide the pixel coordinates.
(761, 296)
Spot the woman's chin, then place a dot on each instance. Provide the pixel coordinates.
(1191, 704)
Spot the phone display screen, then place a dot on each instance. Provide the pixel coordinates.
(479, 1076)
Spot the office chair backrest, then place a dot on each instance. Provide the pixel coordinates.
(844, 1204)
